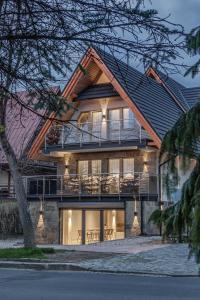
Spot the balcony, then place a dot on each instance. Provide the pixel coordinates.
(100, 186)
(105, 134)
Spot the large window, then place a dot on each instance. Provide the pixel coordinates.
(72, 227)
(114, 171)
(92, 226)
(114, 166)
(83, 167)
(85, 225)
(113, 224)
(128, 118)
(96, 125)
(89, 167)
(96, 167)
(114, 119)
(128, 167)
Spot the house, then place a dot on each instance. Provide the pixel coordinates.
(106, 147)
(22, 127)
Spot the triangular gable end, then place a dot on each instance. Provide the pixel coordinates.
(81, 80)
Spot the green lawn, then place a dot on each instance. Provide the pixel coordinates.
(13, 253)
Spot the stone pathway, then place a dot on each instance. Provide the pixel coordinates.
(129, 245)
(169, 260)
(138, 254)
(11, 243)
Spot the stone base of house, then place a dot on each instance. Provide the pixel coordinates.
(45, 218)
(48, 223)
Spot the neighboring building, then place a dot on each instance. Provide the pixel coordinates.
(22, 129)
(107, 151)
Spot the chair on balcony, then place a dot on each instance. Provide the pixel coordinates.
(70, 185)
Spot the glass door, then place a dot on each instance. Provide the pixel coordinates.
(96, 176)
(84, 181)
(96, 125)
(114, 124)
(114, 173)
(114, 224)
(72, 227)
(92, 226)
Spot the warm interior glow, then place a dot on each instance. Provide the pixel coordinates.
(114, 223)
(145, 162)
(113, 227)
(72, 227)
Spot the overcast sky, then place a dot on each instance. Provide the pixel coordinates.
(185, 12)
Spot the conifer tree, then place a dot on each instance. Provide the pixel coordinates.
(183, 141)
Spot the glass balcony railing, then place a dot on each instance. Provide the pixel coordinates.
(74, 133)
(90, 185)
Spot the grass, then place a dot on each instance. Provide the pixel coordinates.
(15, 253)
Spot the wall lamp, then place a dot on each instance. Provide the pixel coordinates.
(103, 117)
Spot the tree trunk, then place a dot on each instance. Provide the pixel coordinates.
(28, 230)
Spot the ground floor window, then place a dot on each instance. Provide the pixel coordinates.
(90, 226)
(113, 224)
(72, 227)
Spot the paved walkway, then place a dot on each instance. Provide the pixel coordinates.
(129, 245)
(169, 260)
(139, 254)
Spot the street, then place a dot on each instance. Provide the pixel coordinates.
(51, 285)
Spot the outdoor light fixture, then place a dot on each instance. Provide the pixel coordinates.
(135, 213)
(41, 211)
(103, 117)
(66, 166)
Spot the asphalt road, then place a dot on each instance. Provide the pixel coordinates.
(46, 285)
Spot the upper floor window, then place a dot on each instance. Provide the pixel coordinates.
(128, 167)
(89, 167)
(128, 118)
(114, 119)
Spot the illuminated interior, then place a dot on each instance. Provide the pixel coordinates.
(72, 227)
(72, 232)
(113, 224)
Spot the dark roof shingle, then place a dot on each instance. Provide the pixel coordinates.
(97, 91)
(150, 97)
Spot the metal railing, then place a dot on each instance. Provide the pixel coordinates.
(133, 184)
(94, 132)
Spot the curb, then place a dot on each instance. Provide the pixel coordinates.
(40, 266)
(71, 267)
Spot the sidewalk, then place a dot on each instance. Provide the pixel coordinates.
(170, 260)
(141, 255)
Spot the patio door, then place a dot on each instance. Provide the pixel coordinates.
(96, 125)
(92, 226)
(86, 226)
(114, 173)
(114, 124)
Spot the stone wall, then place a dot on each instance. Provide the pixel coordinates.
(133, 226)
(149, 228)
(45, 219)
(132, 222)
(140, 156)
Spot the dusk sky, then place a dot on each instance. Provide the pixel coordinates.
(185, 12)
